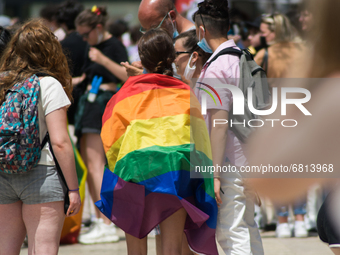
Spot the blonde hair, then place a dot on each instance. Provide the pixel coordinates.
(281, 26)
(325, 57)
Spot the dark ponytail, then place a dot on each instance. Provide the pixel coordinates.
(157, 52)
(68, 12)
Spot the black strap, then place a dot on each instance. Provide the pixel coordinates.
(264, 64)
(47, 140)
(226, 51)
(42, 74)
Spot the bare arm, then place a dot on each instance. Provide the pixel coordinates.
(77, 80)
(218, 137)
(134, 69)
(259, 57)
(117, 70)
(56, 122)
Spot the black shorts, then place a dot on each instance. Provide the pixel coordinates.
(326, 226)
(89, 115)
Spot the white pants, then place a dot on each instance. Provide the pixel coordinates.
(237, 232)
(314, 202)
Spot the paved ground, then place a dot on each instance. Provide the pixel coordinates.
(272, 246)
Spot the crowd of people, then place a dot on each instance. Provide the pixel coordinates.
(134, 97)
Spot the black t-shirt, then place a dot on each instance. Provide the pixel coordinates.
(113, 49)
(75, 48)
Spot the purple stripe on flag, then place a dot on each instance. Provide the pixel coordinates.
(137, 214)
(204, 244)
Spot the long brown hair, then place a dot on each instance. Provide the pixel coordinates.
(325, 59)
(34, 49)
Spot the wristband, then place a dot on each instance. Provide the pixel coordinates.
(73, 189)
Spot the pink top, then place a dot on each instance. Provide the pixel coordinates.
(225, 69)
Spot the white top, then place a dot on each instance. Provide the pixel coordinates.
(52, 97)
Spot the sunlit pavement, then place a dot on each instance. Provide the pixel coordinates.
(272, 246)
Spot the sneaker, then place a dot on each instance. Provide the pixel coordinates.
(283, 230)
(300, 229)
(99, 233)
(310, 224)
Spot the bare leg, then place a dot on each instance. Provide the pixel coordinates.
(172, 233)
(13, 229)
(300, 217)
(93, 152)
(136, 246)
(44, 223)
(185, 246)
(282, 219)
(336, 251)
(158, 244)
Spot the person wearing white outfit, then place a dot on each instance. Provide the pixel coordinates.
(237, 232)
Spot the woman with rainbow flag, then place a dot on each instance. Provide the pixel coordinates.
(153, 135)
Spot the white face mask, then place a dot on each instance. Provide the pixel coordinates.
(100, 37)
(189, 71)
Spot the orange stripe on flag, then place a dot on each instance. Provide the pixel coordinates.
(159, 103)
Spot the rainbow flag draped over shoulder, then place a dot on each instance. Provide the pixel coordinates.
(153, 134)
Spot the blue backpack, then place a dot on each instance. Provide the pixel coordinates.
(19, 127)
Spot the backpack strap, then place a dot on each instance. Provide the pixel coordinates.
(47, 140)
(60, 172)
(42, 74)
(230, 50)
(264, 64)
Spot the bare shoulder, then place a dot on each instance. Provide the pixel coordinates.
(259, 56)
(335, 75)
(326, 94)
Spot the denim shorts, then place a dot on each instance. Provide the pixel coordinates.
(42, 184)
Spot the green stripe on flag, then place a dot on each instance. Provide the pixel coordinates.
(140, 165)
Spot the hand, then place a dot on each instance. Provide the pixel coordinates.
(75, 203)
(96, 55)
(217, 189)
(77, 80)
(137, 64)
(134, 69)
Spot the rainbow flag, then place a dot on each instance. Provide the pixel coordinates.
(152, 133)
(72, 225)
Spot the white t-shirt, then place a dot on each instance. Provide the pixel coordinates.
(52, 97)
